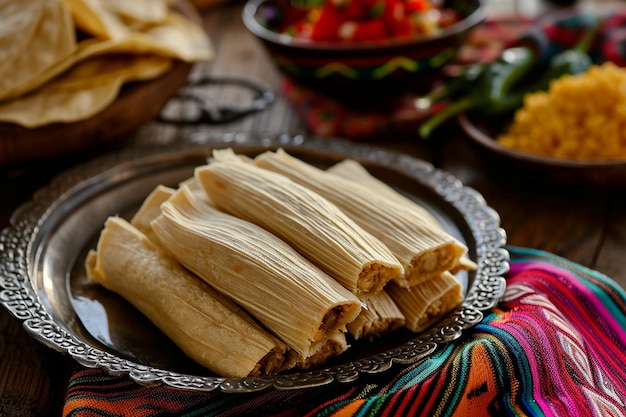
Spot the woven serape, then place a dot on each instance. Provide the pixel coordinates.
(554, 346)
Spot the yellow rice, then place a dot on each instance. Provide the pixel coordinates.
(580, 117)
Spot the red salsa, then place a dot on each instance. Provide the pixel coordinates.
(367, 20)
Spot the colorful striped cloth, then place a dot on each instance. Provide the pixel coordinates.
(554, 346)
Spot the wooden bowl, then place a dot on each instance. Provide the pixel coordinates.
(524, 166)
(137, 104)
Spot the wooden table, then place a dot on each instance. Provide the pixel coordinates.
(583, 225)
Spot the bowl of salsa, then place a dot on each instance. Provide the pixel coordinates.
(356, 48)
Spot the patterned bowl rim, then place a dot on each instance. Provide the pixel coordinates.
(255, 27)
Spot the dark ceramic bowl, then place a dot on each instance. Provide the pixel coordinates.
(608, 175)
(363, 69)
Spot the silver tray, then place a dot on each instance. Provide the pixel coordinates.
(43, 284)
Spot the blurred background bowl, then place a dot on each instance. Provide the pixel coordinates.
(359, 70)
(510, 164)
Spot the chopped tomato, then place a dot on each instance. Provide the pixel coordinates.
(370, 20)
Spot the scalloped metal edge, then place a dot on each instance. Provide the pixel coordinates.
(19, 298)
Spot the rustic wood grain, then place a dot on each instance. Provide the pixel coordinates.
(32, 377)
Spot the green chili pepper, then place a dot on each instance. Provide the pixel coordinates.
(505, 72)
(491, 87)
(572, 61)
(452, 88)
(499, 90)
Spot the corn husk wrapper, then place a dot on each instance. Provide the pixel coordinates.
(307, 221)
(193, 187)
(428, 302)
(380, 316)
(201, 321)
(297, 301)
(150, 209)
(355, 171)
(334, 345)
(464, 264)
(424, 251)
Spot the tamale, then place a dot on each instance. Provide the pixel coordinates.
(355, 171)
(202, 322)
(334, 345)
(151, 209)
(428, 302)
(464, 264)
(379, 316)
(424, 251)
(284, 291)
(192, 186)
(301, 217)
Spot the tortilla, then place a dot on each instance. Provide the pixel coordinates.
(92, 18)
(115, 19)
(83, 91)
(18, 18)
(53, 40)
(61, 79)
(139, 11)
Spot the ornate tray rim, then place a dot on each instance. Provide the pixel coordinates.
(19, 244)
